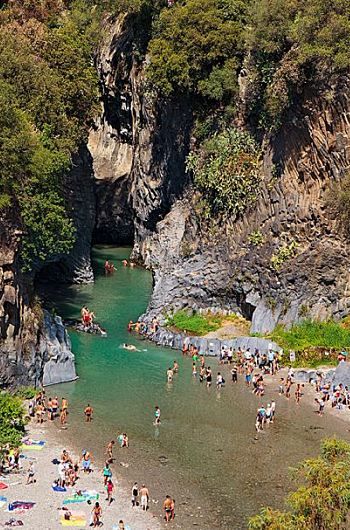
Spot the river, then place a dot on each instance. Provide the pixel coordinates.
(205, 453)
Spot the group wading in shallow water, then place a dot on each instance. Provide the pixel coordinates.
(250, 369)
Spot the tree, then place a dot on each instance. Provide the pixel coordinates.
(11, 421)
(323, 501)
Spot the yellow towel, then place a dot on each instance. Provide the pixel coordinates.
(75, 520)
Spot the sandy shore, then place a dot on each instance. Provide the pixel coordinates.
(45, 515)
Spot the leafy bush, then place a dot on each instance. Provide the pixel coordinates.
(227, 172)
(283, 254)
(11, 421)
(323, 500)
(26, 392)
(256, 238)
(293, 43)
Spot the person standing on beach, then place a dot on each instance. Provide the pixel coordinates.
(86, 461)
(39, 412)
(96, 515)
(208, 376)
(88, 413)
(31, 474)
(234, 371)
(63, 417)
(298, 393)
(109, 451)
(134, 494)
(107, 473)
(54, 403)
(144, 497)
(167, 507)
(110, 489)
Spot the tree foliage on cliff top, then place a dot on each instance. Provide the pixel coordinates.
(199, 48)
(322, 502)
(48, 95)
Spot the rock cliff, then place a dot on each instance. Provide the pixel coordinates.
(202, 266)
(138, 145)
(35, 347)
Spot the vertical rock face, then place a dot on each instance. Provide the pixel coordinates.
(55, 346)
(227, 270)
(138, 145)
(34, 347)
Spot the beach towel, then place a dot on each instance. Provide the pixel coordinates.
(34, 445)
(20, 505)
(76, 519)
(59, 488)
(3, 486)
(84, 496)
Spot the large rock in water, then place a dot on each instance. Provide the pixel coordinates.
(59, 361)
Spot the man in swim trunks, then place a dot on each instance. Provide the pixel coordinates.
(175, 367)
(86, 461)
(169, 375)
(54, 404)
(109, 451)
(88, 413)
(144, 497)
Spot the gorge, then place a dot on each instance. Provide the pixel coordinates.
(129, 185)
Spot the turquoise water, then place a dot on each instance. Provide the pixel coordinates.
(204, 453)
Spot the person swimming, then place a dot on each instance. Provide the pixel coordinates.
(130, 347)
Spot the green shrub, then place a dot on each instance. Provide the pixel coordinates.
(283, 254)
(256, 238)
(323, 499)
(227, 172)
(26, 392)
(48, 96)
(11, 421)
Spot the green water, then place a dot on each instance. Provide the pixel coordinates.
(214, 467)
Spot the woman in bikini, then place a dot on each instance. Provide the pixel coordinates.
(96, 515)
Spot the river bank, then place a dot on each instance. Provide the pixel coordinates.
(45, 515)
(204, 454)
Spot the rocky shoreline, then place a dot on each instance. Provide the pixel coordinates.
(209, 346)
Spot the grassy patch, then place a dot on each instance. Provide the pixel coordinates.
(201, 324)
(315, 343)
(313, 334)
